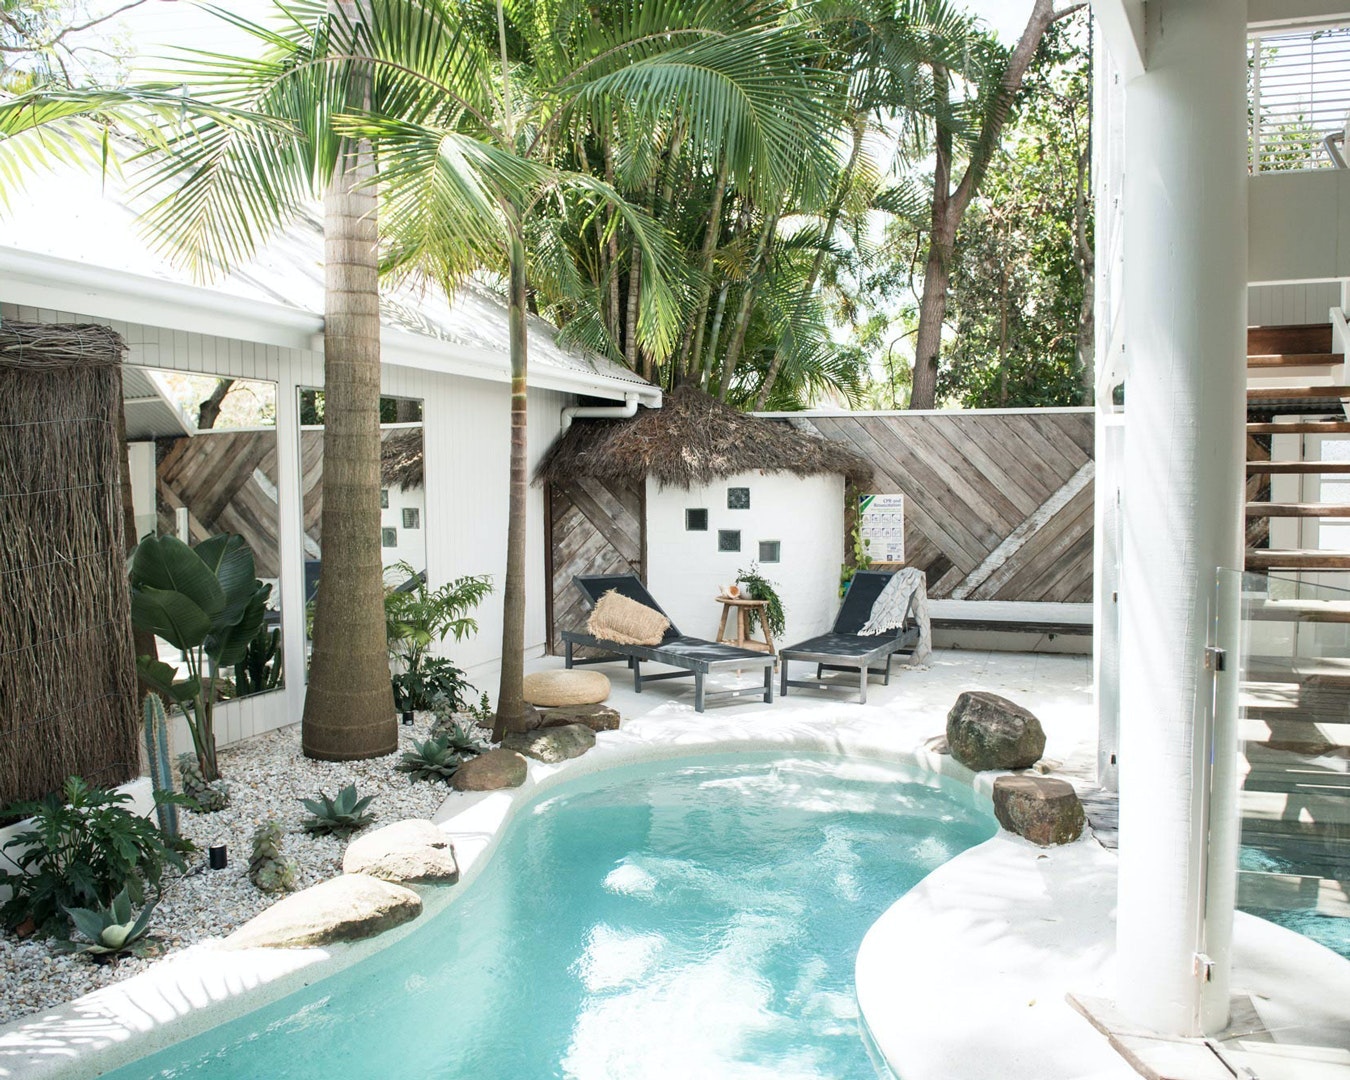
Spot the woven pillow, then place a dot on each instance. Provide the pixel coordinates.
(617, 618)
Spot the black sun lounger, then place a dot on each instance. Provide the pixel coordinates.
(692, 655)
(844, 648)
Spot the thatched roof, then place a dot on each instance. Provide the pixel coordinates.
(693, 439)
(401, 458)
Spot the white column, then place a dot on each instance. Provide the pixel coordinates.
(1185, 262)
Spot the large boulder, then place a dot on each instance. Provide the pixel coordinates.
(986, 731)
(566, 686)
(1044, 810)
(595, 717)
(490, 772)
(552, 745)
(344, 908)
(406, 851)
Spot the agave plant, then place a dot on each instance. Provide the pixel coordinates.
(458, 736)
(111, 930)
(440, 757)
(340, 816)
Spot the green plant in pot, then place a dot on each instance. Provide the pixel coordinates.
(418, 617)
(758, 587)
(207, 602)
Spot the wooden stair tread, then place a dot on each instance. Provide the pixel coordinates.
(1311, 468)
(1289, 393)
(1319, 510)
(1329, 611)
(1292, 559)
(1277, 360)
(1293, 892)
(1289, 338)
(1299, 427)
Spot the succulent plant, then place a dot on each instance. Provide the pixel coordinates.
(111, 930)
(268, 868)
(458, 737)
(209, 795)
(435, 759)
(340, 816)
(155, 731)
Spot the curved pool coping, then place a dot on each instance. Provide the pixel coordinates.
(917, 1032)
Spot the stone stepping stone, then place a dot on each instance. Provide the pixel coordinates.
(344, 908)
(552, 745)
(986, 731)
(411, 851)
(595, 717)
(1043, 809)
(492, 771)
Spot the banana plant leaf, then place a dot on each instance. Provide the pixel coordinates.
(161, 677)
(169, 614)
(167, 564)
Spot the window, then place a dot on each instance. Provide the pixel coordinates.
(728, 539)
(696, 520)
(389, 537)
(384, 498)
(412, 517)
(738, 498)
(770, 550)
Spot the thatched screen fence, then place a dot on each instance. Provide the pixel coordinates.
(67, 677)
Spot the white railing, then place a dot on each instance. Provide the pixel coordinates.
(1299, 100)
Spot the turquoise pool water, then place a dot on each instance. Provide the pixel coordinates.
(1329, 930)
(699, 919)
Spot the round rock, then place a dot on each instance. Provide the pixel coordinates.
(554, 744)
(406, 851)
(491, 771)
(986, 731)
(345, 908)
(1044, 810)
(595, 717)
(551, 689)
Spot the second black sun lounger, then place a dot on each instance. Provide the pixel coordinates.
(693, 656)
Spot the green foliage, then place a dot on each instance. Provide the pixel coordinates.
(860, 557)
(340, 816)
(203, 796)
(205, 601)
(260, 668)
(435, 679)
(81, 848)
(268, 868)
(439, 757)
(761, 588)
(112, 930)
(155, 731)
(417, 617)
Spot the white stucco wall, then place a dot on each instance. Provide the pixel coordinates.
(685, 569)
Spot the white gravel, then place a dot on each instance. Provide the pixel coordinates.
(267, 777)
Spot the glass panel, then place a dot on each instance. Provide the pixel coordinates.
(728, 539)
(770, 551)
(203, 456)
(738, 498)
(696, 520)
(1295, 726)
(402, 487)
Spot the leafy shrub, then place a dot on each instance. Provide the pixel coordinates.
(111, 930)
(761, 588)
(416, 617)
(434, 678)
(340, 816)
(81, 849)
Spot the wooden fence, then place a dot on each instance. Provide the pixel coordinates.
(998, 505)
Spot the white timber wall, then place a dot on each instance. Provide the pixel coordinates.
(804, 514)
(466, 429)
(1292, 305)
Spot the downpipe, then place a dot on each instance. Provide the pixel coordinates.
(599, 412)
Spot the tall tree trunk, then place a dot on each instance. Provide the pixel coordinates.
(208, 412)
(818, 263)
(630, 327)
(349, 708)
(950, 206)
(742, 323)
(613, 250)
(513, 713)
(1086, 258)
(691, 348)
(710, 356)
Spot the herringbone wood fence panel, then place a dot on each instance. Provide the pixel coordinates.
(997, 506)
(595, 527)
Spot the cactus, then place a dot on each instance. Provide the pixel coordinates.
(268, 868)
(260, 669)
(210, 795)
(156, 734)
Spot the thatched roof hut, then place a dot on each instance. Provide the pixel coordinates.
(401, 459)
(693, 440)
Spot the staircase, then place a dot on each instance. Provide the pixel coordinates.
(1295, 801)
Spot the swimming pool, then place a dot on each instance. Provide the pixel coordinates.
(697, 918)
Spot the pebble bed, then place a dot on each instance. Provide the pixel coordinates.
(268, 776)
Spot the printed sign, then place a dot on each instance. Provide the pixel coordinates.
(881, 521)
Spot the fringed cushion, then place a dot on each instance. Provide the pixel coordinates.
(552, 689)
(626, 622)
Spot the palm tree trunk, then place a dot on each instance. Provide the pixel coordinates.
(742, 324)
(691, 348)
(513, 714)
(349, 709)
(711, 355)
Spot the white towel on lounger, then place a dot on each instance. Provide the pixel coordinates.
(907, 589)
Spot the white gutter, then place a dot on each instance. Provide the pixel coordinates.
(52, 283)
(599, 412)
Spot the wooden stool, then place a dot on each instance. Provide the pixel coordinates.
(742, 640)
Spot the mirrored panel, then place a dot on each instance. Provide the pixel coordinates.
(402, 488)
(203, 457)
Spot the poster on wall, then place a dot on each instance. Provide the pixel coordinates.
(881, 521)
